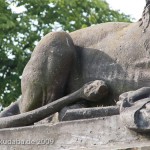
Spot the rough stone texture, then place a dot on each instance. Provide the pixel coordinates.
(106, 133)
(135, 109)
(61, 63)
(91, 91)
(86, 113)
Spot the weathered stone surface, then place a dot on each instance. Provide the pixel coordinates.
(135, 109)
(91, 91)
(106, 133)
(63, 62)
(86, 113)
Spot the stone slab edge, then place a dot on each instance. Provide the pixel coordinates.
(105, 133)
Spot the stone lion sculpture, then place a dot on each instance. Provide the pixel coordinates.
(98, 63)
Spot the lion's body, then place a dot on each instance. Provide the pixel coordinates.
(118, 53)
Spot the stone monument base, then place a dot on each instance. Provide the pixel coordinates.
(103, 133)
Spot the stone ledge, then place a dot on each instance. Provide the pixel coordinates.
(86, 113)
(105, 133)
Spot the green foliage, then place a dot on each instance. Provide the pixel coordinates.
(20, 32)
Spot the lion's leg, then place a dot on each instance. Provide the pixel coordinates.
(55, 65)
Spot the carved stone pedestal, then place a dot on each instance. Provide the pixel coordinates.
(105, 133)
